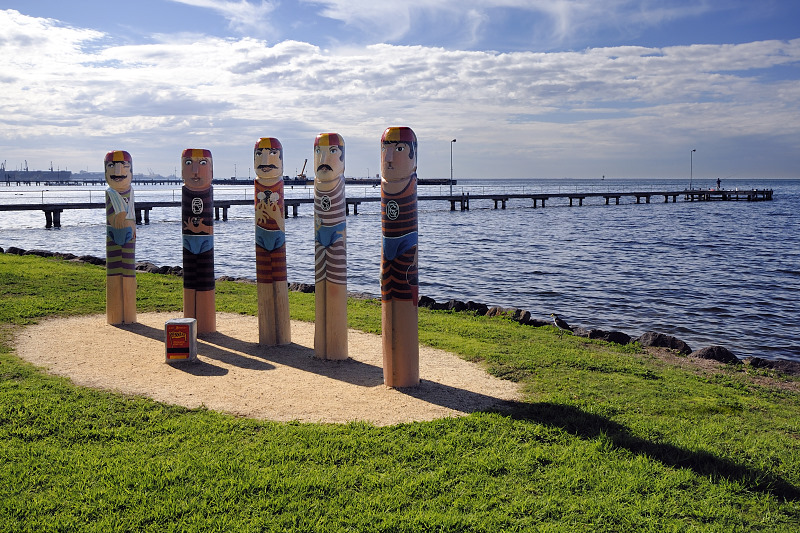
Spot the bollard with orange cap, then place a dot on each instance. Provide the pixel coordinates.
(274, 326)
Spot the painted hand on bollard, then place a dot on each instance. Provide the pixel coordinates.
(268, 208)
(196, 225)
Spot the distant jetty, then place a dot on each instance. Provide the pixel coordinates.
(53, 210)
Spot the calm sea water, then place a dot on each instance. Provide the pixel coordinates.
(724, 273)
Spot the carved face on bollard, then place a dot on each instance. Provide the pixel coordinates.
(197, 169)
(119, 170)
(328, 159)
(268, 160)
(398, 154)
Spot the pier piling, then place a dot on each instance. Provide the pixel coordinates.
(52, 218)
(143, 211)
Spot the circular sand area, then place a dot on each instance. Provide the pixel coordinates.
(235, 375)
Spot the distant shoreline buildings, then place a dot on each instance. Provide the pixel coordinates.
(66, 176)
(36, 175)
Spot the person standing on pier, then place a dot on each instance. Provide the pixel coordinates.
(330, 261)
(197, 208)
(273, 292)
(120, 239)
(399, 266)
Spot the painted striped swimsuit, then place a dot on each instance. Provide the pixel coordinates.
(399, 269)
(330, 261)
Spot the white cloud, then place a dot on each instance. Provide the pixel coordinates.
(525, 109)
(244, 17)
(552, 22)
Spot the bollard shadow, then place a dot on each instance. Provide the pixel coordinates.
(462, 400)
(588, 426)
(199, 368)
(249, 355)
(347, 370)
(229, 350)
(144, 330)
(301, 358)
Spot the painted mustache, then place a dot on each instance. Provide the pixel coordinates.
(117, 178)
(267, 167)
(323, 166)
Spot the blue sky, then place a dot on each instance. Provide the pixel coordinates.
(530, 88)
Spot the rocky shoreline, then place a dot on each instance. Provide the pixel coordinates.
(648, 339)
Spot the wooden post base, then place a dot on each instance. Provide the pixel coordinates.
(120, 300)
(274, 325)
(202, 306)
(400, 336)
(330, 332)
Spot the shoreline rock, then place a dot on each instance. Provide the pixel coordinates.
(661, 340)
(784, 366)
(616, 337)
(717, 353)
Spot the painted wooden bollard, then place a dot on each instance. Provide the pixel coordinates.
(399, 267)
(197, 217)
(120, 239)
(330, 232)
(273, 291)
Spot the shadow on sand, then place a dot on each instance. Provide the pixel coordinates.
(302, 358)
(236, 352)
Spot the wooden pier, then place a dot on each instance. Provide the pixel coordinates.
(52, 211)
(689, 195)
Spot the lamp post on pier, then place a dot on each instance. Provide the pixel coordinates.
(451, 166)
(691, 167)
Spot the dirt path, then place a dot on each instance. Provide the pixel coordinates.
(235, 375)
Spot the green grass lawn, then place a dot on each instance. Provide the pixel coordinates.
(609, 438)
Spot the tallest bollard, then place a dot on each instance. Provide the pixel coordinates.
(399, 270)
